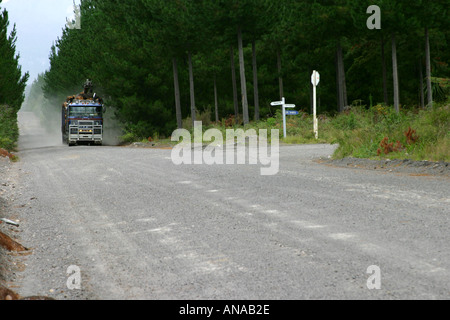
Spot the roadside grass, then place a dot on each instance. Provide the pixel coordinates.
(383, 133)
(378, 132)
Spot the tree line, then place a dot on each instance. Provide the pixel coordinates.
(159, 62)
(12, 81)
(12, 84)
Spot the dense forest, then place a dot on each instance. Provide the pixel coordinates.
(160, 62)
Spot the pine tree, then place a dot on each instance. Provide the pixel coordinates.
(12, 82)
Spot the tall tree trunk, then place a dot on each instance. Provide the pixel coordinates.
(383, 63)
(421, 95)
(255, 82)
(280, 77)
(243, 80)
(395, 74)
(216, 103)
(311, 96)
(339, 101)
(342, 81)
(191, 87)
(233, 80)
(177, 94)
(340, 78)
(428, 69)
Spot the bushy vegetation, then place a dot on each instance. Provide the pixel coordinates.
(9, 131)
(382, 132)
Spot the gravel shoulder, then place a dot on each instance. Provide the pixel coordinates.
(4, 163)
(8, 268)
(418, 168)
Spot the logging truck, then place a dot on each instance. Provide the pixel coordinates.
(82, 118)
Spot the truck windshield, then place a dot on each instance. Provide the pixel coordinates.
(85, 111)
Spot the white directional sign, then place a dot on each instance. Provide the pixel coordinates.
(289, 105)
(278, 103)
(315, 78)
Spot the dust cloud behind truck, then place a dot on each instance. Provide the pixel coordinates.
(82, 118)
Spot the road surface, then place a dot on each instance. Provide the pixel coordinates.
(129, 224)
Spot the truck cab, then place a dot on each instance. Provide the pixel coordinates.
(82, 122)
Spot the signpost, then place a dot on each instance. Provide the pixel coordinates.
(292, 113)
(277, 103)
(315, 79)
(284, 106)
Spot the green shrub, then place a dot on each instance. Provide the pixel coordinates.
(382, 127)
(9, 130)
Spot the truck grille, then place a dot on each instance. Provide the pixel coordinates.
(86, 131)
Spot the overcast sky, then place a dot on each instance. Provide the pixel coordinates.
(39, 23)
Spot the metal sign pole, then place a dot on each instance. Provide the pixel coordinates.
(315, 79)
(315, 111)
(284, 117)
(283, 106)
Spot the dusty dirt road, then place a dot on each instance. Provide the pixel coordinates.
(132, 225)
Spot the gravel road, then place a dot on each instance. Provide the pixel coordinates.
(136, 226)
